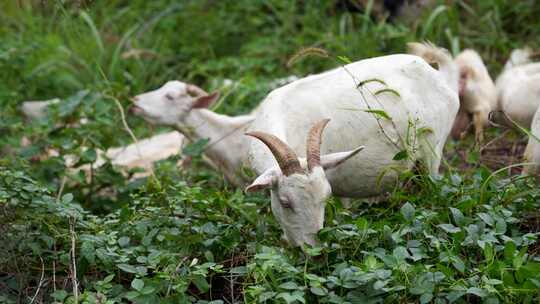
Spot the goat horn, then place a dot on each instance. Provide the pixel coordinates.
(286, 158)
(313, 152)
(194, 90)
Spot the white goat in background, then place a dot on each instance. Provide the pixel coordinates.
(532, 152)
(37, 109)
(138, 155)
(185, 107)
(394, 105)
(467, 75)
(518, 88)
(477, 91)
(142, 154)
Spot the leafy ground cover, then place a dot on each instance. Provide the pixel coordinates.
(184, 235)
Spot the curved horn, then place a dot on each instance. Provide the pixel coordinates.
(313, 153)
(194, 90)
(286, 158)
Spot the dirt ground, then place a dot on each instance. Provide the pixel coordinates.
(500, 149)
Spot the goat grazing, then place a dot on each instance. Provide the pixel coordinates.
(185, 107)
(477, 91)
(393, 105)
(518, 88)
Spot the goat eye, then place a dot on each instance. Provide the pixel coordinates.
(286, 204)
(169, 96)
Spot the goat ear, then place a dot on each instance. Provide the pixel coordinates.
(333, 160)
(264, 181)
(205, 101)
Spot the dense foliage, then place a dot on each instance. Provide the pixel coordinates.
(184, 235)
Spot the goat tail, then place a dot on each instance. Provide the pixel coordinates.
(439, 58)
(430, 52)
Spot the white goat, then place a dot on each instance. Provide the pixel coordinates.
(390, 104)
(477, 91)
(518, 88)
(519, 57)
(185, 107)
(139, 155)
(37, 109)
(532, 152)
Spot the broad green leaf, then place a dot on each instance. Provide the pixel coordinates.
(130, 295)
(457, 215)
(59, 295)
(88, 156)
(455, 295)
(458, 263)
(67, 198)
(319, 291)
(477, 291)
(137, 284)
(201, 283)
(289, 285)
(123, 241)
(500, 226)
(127, 268)
(486, 218)
(449, 228)
(426, 298)
(407, 210)
(147, 290)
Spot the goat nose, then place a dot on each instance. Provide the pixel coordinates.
(134, 99)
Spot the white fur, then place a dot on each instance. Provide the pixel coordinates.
(478, 95)
(532, 152)
(172, 105)
(140, 155)
(518, 88)
(518, 57)
(426, 100)
(37, 109)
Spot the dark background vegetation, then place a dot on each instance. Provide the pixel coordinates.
(186, 236)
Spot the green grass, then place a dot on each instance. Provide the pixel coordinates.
(186, 236)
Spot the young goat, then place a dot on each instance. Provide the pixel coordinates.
(518, 88)
(419, 108)
(477, 91)
(185, 107)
